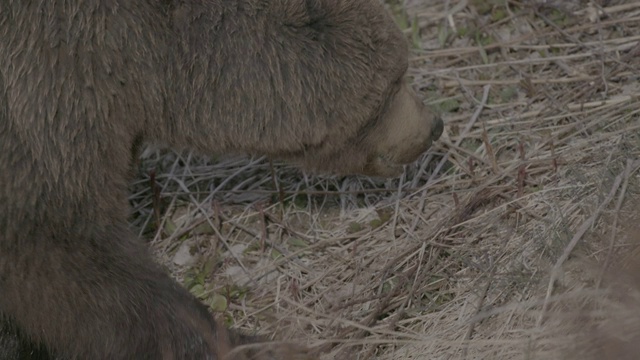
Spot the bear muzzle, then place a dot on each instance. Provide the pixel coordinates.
(406, 130)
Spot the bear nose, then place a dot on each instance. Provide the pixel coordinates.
(436, 129)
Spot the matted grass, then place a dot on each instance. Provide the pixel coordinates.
(490, 247)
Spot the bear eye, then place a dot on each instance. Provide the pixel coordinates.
(317, 17)
(401, 73)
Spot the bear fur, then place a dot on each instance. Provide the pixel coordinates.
(318, 83)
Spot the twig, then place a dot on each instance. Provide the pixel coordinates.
(557, 268)
(614, 227)
(467, 128)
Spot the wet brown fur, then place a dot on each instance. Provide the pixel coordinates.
(314, 82)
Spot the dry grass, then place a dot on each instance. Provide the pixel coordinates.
(490, 247)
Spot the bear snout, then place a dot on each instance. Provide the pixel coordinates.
(406, 130)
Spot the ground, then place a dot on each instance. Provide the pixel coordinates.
(486, 248)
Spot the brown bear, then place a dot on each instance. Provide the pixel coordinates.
(316, 82)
